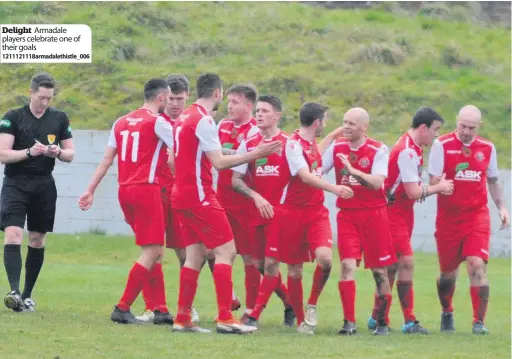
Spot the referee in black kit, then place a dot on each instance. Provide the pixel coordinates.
(29, 143)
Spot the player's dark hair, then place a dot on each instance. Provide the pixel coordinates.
(178, 83)
(249, 92)
(206, 85)
(310, 112)
(274, 101)
(42, 79)
(425, 116)
(154, 87)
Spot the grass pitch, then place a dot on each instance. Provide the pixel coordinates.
(84, 276)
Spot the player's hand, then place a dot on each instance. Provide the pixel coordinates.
(344, 192)
(446, 185)
(346, 163)
(265, 208)
(266, 148)
(53, 151)
(85, 201)
(337, 133)
(38, 149)
(504, 217)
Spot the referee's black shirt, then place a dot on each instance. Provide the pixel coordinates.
(26, 129)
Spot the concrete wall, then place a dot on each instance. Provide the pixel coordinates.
(106, 216)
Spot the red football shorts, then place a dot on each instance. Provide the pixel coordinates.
(365, 231)
(401, 224)
(462, 235)
(303, 230)
(205, 224)
(238, 221)
(265, 238)
(173, 239)
(143, 211)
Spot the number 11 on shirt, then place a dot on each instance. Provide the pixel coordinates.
(135, 145)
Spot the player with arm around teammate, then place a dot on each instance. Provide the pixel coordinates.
(403, 188)
(203, 221)
(361, 163)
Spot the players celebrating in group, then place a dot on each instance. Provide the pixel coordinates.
(267, 181)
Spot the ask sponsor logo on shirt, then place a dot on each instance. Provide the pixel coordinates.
(463, 173)
(264, 169)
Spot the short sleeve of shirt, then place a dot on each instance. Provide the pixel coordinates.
(295, 157)
(436, 159)
(112, 142)
(492, 170)
(380, 162)
(328, 159)
(408, 165)
(206, 132)
(8, 123)
(65, 129)
(163, 130)
(241, 150)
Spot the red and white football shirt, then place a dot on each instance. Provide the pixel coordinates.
(468, 166)
(405, 166)
(301, 153)
(230, 137)
(196, 133)
(138, 138)
(268, 175)
(371, 158)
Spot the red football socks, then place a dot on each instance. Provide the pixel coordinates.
(224, 289)
(267, 286)
(406, 295)
(381, 312)
(158, 288)
(347, 291)
(136, 279)
(282, 292)
(320, 277)
(479, 299)
(252, 284)
(296, 297)
(445, 290)
(188, 288)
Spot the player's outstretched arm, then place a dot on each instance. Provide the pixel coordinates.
(329, 139)
(221, 162)
(313, 181)
(209, 142)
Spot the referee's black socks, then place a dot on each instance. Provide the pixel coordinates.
(12, 263)
(33, 264)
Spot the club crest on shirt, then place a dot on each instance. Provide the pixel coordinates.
(466, 151)
(364, 162)
(479, 156)
(352, 157)
(234, 133)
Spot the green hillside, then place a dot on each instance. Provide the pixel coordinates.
(387, 63)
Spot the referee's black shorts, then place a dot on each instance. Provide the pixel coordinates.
(33, 198)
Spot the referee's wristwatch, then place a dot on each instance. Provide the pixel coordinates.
(28, 153)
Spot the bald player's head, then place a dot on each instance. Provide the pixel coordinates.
(468, 122)
(355, 123)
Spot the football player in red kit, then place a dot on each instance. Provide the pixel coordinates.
(137, 139)
(463, 225)
(403, 187)
(361, 163)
